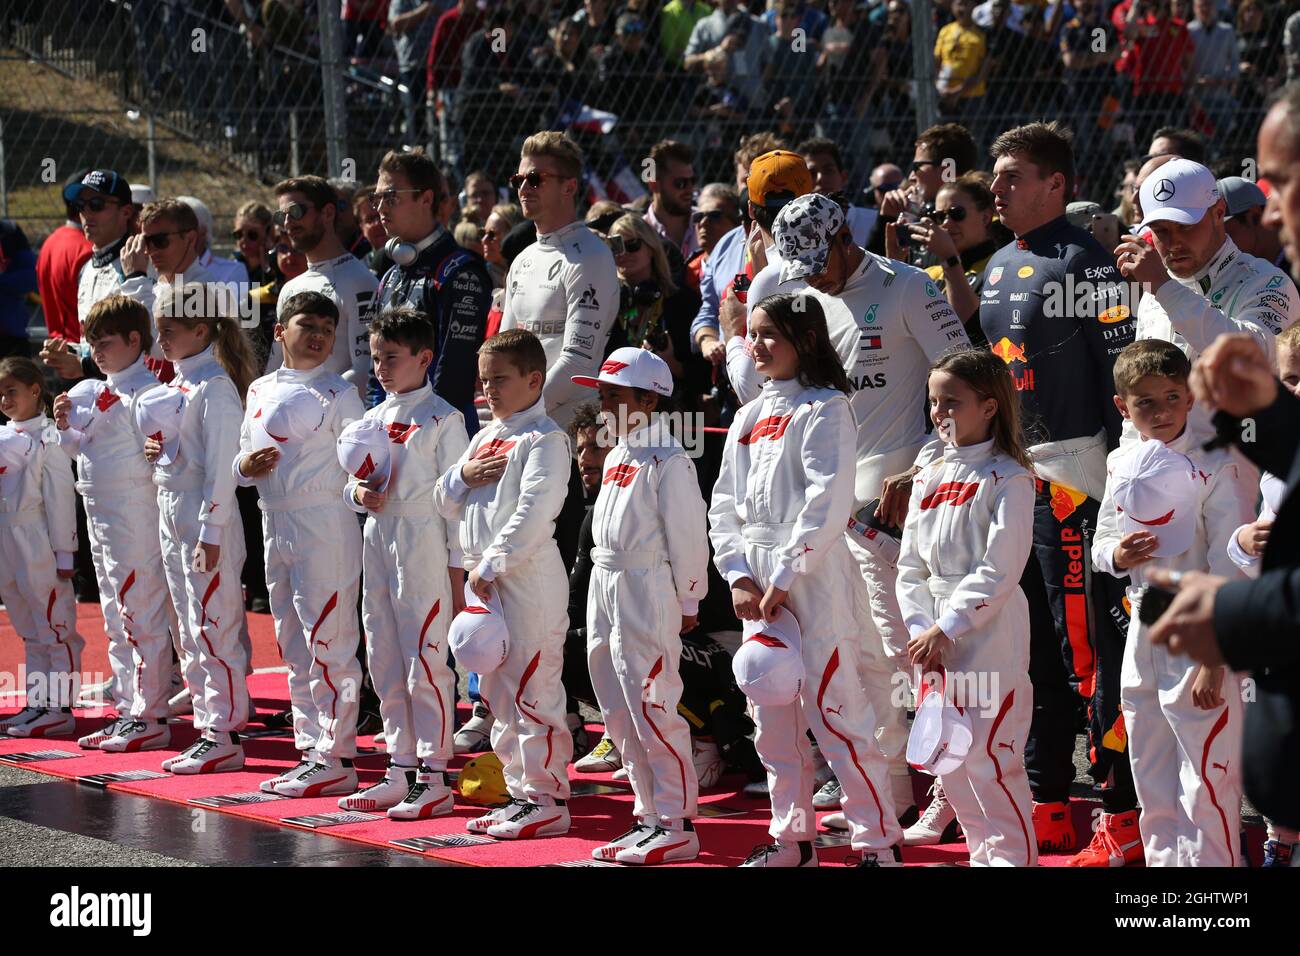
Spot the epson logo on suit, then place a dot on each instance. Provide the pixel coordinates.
(77, 909)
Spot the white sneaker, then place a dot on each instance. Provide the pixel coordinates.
(938, 824)
(663, 845)
(709, 765)
(48, 723)
(828, 797)
(492, 817)
(24, 715)
(531, 820)
(180, 704)
(183, 755)
(822, 772)
(610, 850)
(136, 735)
(604, 757)
(787, 855)
(210, 756)
(380, 739)
(320, 780)
(385, 794)
(428, 797)
(756, 788)
(835, 821)
(620, 774)
(306, 763)
(475, 735)
(92, 740)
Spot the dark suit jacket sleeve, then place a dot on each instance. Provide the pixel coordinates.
(1276, 438)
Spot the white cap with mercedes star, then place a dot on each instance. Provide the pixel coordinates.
(1180, 191)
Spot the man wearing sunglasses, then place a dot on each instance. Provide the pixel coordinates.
(942, 153)
(307, 211)
(564, 288)
(433, 275)
(166, 247)
(672, 190)
(718, 213)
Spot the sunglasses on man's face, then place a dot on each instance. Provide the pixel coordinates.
(161, 240)
(252, 235)
(888, 187)
(489, 235)
(920, 164)
(96, 204)
(712, 215)
(682, 182)
(531, 179)
(295, 211)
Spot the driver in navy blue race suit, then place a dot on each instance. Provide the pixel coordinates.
(452, 287)
(1052, 309)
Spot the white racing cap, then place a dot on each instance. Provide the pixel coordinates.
(287, 415)
(1154, 488)
(1180, 191)
(16, 451)
(478, 636)
(365, 452)
(159, 412)
(803, 230)
(769, 665)
(90, 397)
(941, 734)
(633, 367)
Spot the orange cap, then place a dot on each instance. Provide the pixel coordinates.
(777, 172)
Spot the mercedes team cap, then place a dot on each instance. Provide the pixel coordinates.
(633, 367)
(803, 231)
(287, 415)
(478, 636)
(89, 398)
(940, 736)
(159, 412)
(1180, 191)
(769, 664)
(777, 177)
(365, 452)
(1155, 490)
(1240, 194)
(103, 181)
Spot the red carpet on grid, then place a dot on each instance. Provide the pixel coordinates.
(730, 824)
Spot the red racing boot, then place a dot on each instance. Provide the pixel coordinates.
(1053, 828)
(1116, 842)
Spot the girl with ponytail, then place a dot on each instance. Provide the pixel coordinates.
(191, 427)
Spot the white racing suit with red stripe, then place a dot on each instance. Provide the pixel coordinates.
(779, 509)
(122, 523)
(969, 532)
(407, 604)
(38, 538)
(649, 570)
(312, 546)
(1186, 761)
(507, 532)
(196, 503)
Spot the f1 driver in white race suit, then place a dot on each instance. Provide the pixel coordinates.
(1200, 284)
(564, 287)
(888, 322)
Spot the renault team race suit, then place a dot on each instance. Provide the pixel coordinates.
(1051, 309)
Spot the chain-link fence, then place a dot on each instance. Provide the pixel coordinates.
(219, 98)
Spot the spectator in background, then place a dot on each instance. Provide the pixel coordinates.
(719, 98)
(478, 197)
(812, 21)
(595, 23)
(1244, 221)
(367, 216)
(1126, 193)
(564, 68)
(411, 24)
(1215, 68)
(499, 222)
(851, 51)
(218, 269)
(941, 154)
(63, 253)
(717, 212)
(1159, 66)
(1260, 54)
(654, 311)
(468, 235)
(790, 75)
(961, 63)
(831, 176)
(17, 281)
(363, 29)
(601, 215)
(443, 77)
(1185, 143)
(889, 86)
(631, 78)
(252, 238)
(742, 38)
(677, 20)
(671, 184)
(345, 223)
(1089, 72)
(494, 71)
(287, 264)
(884, 179)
